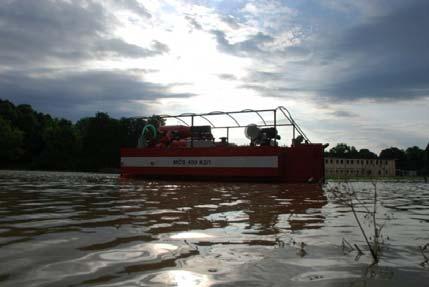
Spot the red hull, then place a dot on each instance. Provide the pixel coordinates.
(301, 163)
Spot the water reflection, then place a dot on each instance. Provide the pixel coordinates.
(184, 206)
(71, 229)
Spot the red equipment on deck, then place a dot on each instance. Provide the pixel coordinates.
(191, 152)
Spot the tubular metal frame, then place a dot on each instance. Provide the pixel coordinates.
(285, 112)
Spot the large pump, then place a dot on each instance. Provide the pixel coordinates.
(261, 137)
(175, 136)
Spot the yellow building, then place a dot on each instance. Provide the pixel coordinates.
(352, 167)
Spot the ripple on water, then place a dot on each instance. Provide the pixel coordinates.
(115, 260)
(325, 275)
(177, 278)
(71, 229)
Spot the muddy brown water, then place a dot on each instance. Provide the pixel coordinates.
(75, 229)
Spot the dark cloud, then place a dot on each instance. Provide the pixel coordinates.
(76, 94)
(249, 47)
(343, 114)
(133, 6)
(263, 76)
(194, 23)
(274, 84)
(230, 77)
(231, 21)
(271, 90)
(383, 57)
(45, 45)
(261, 46)
(41, 32)
(389, 56)
(118, 48)
(159, 48)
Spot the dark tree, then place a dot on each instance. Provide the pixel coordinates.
(343, 150)
(415, 159)
(10, 143)
(396, 154)
(29, 139)
(367, 154)
(8, 112)
(130, 131)
(61, 147)
(101, 139)
(426, 170)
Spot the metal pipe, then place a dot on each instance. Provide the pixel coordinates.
(267, 125)
(275, 125)
(208, 121)
(205, 116)
(238, 124)
(192, 125)
(177, 118)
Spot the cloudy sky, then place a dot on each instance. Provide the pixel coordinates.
(349, 71)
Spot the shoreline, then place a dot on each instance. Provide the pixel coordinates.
(116, 171)
(102, 171)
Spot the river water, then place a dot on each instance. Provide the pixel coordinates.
(75, 229)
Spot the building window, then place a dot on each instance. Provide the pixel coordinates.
(341, 161)
(336, 160)
(351, 161)
(347, 161)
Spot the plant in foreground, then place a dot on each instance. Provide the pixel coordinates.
(347, 196)
(426, 259)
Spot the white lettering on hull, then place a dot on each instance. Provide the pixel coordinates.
(202, 161)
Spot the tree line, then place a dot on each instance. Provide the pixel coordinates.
(412, 158)
(33, 140)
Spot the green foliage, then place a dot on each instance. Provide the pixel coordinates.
(130, 130)
(10, 142)
(61, 146)
(101, 140)
(343, 150)
(396, 154)
(366, 154)
(426, 160)
(415, 158)
(29, 139)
